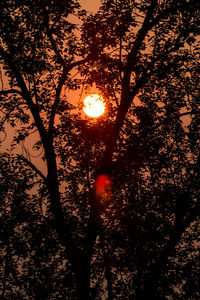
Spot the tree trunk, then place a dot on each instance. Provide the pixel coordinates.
(81, 258)
(81, 267)
(83, 282)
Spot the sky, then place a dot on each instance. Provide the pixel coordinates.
(90, 5)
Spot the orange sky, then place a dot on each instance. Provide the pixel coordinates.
(91, 5)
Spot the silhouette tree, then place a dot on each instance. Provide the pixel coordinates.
(61, 240)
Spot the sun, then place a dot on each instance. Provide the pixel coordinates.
(94, 106)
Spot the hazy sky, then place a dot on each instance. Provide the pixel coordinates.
(91, 5)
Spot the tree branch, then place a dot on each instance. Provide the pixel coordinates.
(32, 166)
(146, 26)
(10, 91)
(126, 96)
(61, 83)
(7, 57)
(192, 112)
(51, 39)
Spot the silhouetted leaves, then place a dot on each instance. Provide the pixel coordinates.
(58, 240)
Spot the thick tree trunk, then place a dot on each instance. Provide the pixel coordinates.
(81, 267)
(83, 281)
(81, 259)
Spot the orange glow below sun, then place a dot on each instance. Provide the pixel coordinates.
(94, 106)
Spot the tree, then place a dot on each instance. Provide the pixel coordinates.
(155, 62)
(143, 57)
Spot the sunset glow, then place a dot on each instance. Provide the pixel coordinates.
(94, 106)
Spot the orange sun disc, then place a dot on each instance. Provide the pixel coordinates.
(94, 106)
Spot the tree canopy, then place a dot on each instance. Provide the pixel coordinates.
(139, 239)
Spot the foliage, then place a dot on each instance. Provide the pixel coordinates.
(58, 239)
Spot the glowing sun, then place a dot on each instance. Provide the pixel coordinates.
(94, 106)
